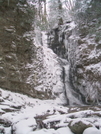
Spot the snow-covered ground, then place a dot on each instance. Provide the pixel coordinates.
(21, 114)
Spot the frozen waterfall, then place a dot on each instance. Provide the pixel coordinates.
(71, 95)
(62, 86)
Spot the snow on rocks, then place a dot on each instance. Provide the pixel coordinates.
(79, 125)
(92, 130)
(26, 115)
(64, 130)
(25, 126)
(45, 70)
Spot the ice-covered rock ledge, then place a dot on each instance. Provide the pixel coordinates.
(21, 114)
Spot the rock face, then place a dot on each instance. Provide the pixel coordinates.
(25, 65)
(85, 51)
(81, 39)
(56, 41)
(14, 48)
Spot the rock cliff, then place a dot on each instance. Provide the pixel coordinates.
(85, 51)
(26, 65)
(81, 40)
(15, 21)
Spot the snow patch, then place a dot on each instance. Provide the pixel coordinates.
(92, 130)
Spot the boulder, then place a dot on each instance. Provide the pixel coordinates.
(92, 130)
(78, 126)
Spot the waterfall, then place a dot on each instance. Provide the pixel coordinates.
(71, 95)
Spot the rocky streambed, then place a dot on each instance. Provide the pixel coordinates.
(21, 114)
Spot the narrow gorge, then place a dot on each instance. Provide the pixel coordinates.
(50, 66)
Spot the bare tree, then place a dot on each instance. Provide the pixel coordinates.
(60, 20)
